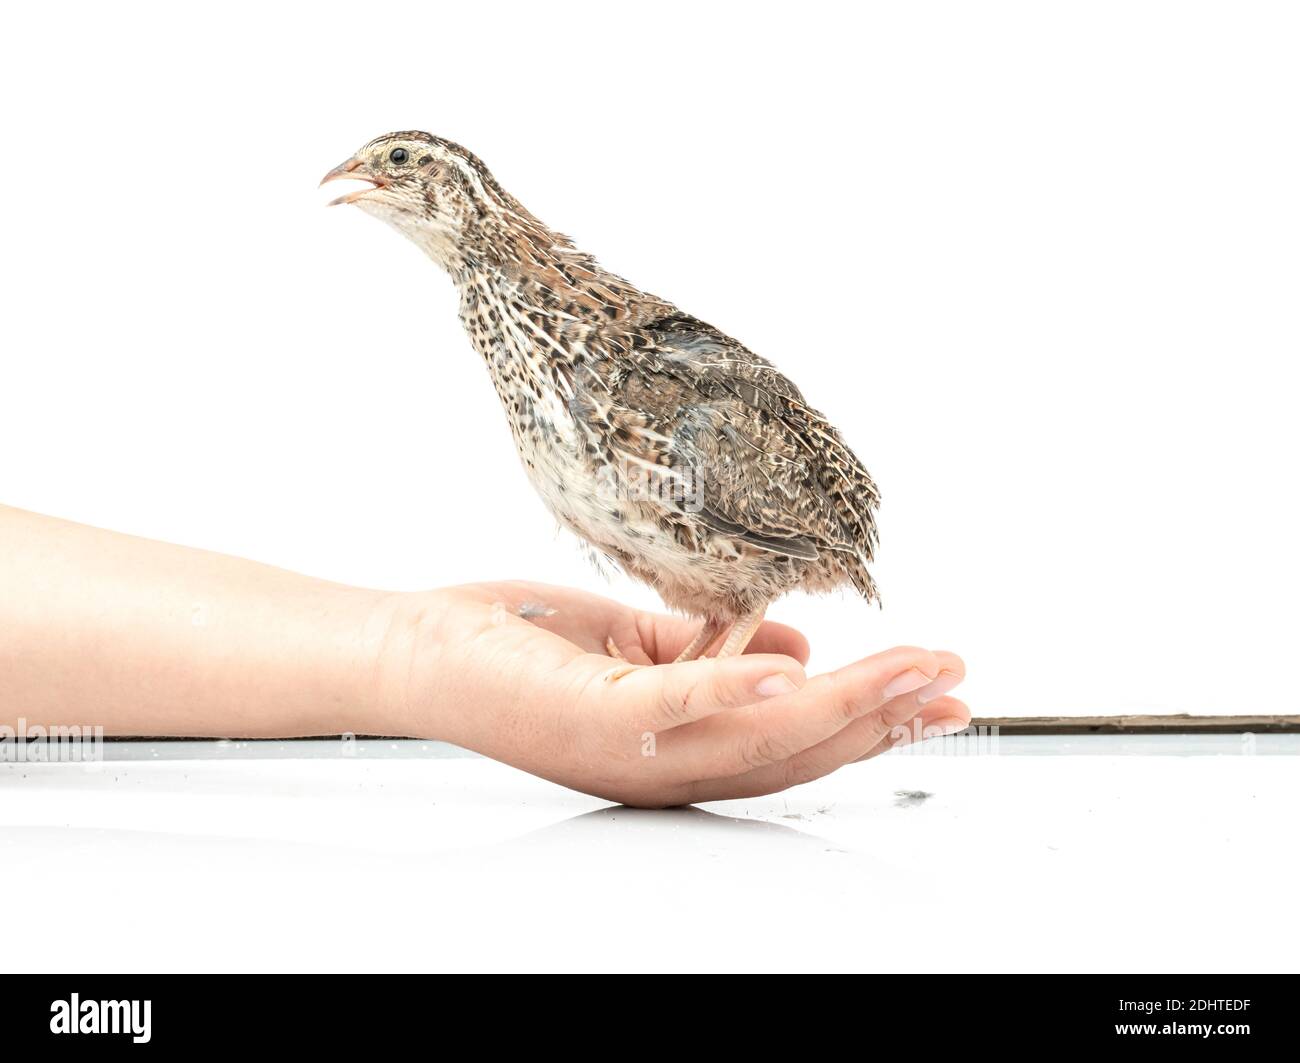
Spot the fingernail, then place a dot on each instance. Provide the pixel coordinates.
(772, 685)
(907, 733)
(941, 685)
(910, 680)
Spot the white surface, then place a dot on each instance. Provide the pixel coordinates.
(1037, 260)
(1014, 863)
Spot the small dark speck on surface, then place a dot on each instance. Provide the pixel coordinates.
(535, 610)
(911, 798)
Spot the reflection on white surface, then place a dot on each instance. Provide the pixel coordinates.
(382, 860)
(1188, 745)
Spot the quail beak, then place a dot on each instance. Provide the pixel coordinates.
(351, 171)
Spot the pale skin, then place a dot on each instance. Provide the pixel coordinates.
(148, 638)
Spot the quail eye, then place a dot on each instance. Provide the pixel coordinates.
(398, 156)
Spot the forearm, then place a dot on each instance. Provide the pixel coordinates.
(141, 637)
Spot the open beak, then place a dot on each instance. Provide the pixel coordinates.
(351, 171)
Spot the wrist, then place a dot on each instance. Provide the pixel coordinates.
(406, 634)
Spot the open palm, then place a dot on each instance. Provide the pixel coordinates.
(519, 671)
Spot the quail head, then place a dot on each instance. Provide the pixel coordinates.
(672, 449)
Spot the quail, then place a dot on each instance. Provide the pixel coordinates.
(668, 446)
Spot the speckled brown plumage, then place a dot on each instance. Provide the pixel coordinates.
(665, 444)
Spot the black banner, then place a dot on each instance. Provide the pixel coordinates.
(144, 1013)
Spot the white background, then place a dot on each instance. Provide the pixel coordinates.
(1038, 261)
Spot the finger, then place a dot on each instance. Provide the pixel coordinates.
(772, 637)
(670, 695)
(666, 636)
(776, 730)
(894, 722)
(663, 637)
(948, 716)
(945, 716)
(627, 646)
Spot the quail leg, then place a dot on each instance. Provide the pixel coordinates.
(700, 642)
(741, 632)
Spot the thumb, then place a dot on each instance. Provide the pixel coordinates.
(668, 695)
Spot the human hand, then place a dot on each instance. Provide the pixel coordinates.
(519, 672)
